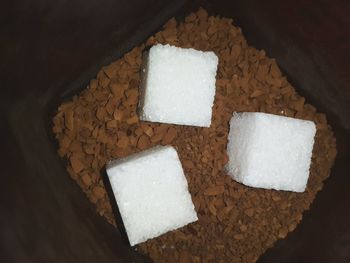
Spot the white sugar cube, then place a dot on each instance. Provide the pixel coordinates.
(270, 151)
(178, 86)
(151, 192)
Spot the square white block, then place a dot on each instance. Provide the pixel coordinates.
(151, 192)
(178, 86)
(270, 151)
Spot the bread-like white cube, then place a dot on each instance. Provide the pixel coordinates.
(151, 192)
(270, 151)
(178, 85)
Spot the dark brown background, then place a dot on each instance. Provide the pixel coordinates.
(50, 49)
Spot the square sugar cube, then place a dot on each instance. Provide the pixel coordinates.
(178, 86)
(151, 192)
(270, 151)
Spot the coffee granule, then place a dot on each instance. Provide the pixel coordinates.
(236, 223)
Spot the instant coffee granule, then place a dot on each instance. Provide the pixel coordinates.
(236, 223)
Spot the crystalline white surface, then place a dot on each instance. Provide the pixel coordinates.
(151, 192)
(270, 151)
(178, 86)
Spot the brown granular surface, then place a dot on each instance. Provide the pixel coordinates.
(236, 223)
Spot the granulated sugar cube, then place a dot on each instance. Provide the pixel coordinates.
(270, 151)
(151, 192)
(178, 86)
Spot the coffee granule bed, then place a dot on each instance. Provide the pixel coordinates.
(236, 223)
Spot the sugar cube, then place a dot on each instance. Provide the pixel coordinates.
(178, 86)
(270, 151)
(151, 193)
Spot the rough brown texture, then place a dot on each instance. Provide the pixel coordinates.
(236, 223)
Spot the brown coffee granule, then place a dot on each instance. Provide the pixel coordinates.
(236, 223)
